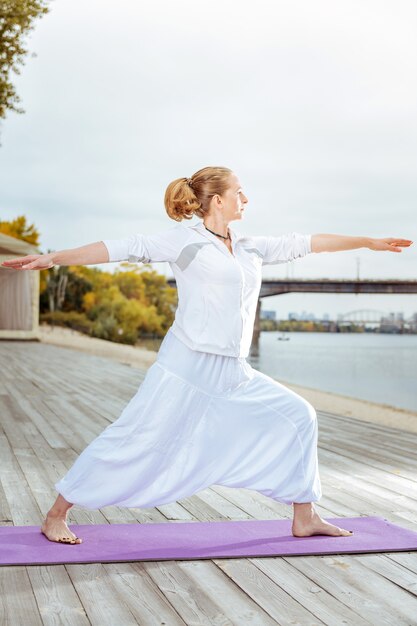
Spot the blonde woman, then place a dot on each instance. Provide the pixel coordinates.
(203, 415)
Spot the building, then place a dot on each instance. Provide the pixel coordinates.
(19, 293)
(268, 315)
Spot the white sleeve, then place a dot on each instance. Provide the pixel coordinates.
(139, 248)
(283, 248)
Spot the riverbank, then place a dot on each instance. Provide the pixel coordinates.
(322, 401)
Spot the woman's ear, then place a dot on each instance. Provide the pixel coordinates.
(218, 200)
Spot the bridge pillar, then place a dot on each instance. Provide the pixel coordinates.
(254, 348)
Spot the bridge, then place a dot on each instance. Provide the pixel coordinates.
(361, 316)
(275, 287)
(371, 318)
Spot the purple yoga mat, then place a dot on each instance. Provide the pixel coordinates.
(104, 543)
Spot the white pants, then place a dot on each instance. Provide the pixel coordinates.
(200, 419)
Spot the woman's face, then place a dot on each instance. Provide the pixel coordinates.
(233, 200)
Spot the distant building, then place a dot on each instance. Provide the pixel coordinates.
(392, 323)
(302, 317)
(268, 315)
(307, 317)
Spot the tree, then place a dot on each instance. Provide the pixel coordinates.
(62, 289)
(160, 295)
(19, 229)
(16, 20)
(56, 284)
(121, 319)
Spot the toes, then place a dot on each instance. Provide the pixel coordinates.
(66, 540)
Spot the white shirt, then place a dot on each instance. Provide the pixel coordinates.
(217, 290)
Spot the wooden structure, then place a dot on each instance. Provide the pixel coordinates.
(19, 293)
(54, 401)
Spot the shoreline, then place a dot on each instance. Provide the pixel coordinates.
(142, 358)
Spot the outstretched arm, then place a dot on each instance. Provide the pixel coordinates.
(84, 255)
(160, 247)
(335, 243)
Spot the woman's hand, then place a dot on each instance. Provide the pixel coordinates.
(31, 262)
(391, 244)
(336, 243)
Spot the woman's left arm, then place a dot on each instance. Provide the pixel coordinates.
(334, 243)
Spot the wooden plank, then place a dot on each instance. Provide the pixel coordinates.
(368, 457)
(381, 442)
(361, 589)
(363, 445)
(277, 599)
(18, 605)
(406, 559)
(364, 426)
(38, 416)
(393, 570)
(222, 505)
(5, 513)
(201, 593)
(385, 498)
(368, 474)
(318, 601)
(101, 601)
(22, 504)
(142, 595)
(56, 597)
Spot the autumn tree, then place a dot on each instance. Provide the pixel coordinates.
(17, 19)
(20, 229)
(121, 319)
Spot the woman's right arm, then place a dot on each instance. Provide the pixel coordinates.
(162, 246)
(89, 254)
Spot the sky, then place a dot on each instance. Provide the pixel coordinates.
(312, 104)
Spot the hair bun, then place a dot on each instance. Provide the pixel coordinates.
(185, 197)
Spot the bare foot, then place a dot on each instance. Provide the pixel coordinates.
(56, 529)
(315, 525)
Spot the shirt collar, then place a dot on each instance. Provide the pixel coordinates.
(199, 227)
(203, 230)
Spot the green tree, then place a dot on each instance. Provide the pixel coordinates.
(17, 19)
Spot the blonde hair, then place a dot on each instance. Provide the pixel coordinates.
(185, 197)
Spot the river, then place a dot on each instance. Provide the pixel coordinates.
(374, 367)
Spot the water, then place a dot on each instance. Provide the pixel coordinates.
(378, 368)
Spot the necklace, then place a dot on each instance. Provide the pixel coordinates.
(217, 234)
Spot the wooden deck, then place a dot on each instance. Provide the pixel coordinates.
(54, 401)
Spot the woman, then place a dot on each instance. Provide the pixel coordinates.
(203, 415)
